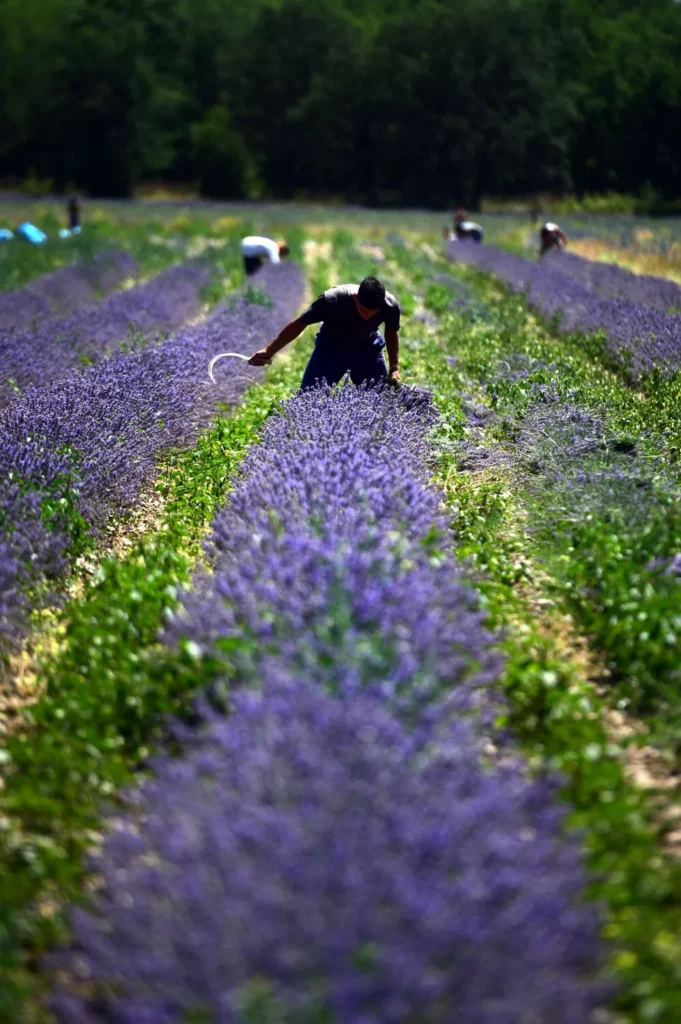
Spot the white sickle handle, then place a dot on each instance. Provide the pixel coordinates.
(235, 355)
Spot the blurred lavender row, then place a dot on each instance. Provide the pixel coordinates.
(64, 290)
(611, 281)
(80, 450)
(49, 349)
(641, 338)
(336, 849)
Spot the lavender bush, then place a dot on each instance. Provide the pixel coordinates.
(311, 860)
(335, 849)
(610, 281)
(67, 289)
(643, 338)
(76, 452)
(48, 350)
(345, 570)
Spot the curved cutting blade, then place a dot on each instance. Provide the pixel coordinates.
(223, 355)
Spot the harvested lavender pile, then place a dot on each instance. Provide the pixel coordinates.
(337, 848)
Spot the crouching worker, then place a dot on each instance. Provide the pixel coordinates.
(465, 229)
(349, 338)
(256, 249)
(551, 238)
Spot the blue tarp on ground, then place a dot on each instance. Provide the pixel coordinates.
(6, 235)
(30, 233)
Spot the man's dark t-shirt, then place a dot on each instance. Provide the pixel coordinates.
(341, 323)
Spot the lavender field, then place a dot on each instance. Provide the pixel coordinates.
(355, 704)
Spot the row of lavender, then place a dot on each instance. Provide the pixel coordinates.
(81, 449)
(64, 290)
(639, 336)
(611, 281)
(48, 349)
(339, 847)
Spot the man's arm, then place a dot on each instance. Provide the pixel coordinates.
(289, 333)
(392, 344)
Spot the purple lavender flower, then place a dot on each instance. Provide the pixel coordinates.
(335, 849)
(328, 553)
(49, 349)
(610, 281)
(97, 433)
(311, 859)
(642, 337)
(67, 289)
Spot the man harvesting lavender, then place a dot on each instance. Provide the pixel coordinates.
(257, 250)
(349, 338)
(551, 238)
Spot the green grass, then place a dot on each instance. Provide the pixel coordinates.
(20, 261)
(155, 244)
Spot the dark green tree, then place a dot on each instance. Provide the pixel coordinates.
(629, 77)
(383, 101)
(119, 99)
(222, 163)
(469, 102)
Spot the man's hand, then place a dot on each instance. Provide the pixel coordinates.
(260, 358)
(392, 344)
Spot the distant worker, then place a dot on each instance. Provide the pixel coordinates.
(535, 209)
(467, 230)
(551, 238)
(73, 211)
(349, 338)
(256, 249)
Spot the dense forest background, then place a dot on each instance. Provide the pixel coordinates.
(418, 102)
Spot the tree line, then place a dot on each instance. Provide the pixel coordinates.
(420, 102)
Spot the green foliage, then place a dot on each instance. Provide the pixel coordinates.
(19, 263)
(598, 203)
(430, 103)
(630, 92)
(621, 582)
(320, 279)
(113, 98)
(221, 160)
(145, 241)
(438, 298)
(35, 186)
(257, 297)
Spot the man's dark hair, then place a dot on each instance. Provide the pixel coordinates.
(371, 293)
